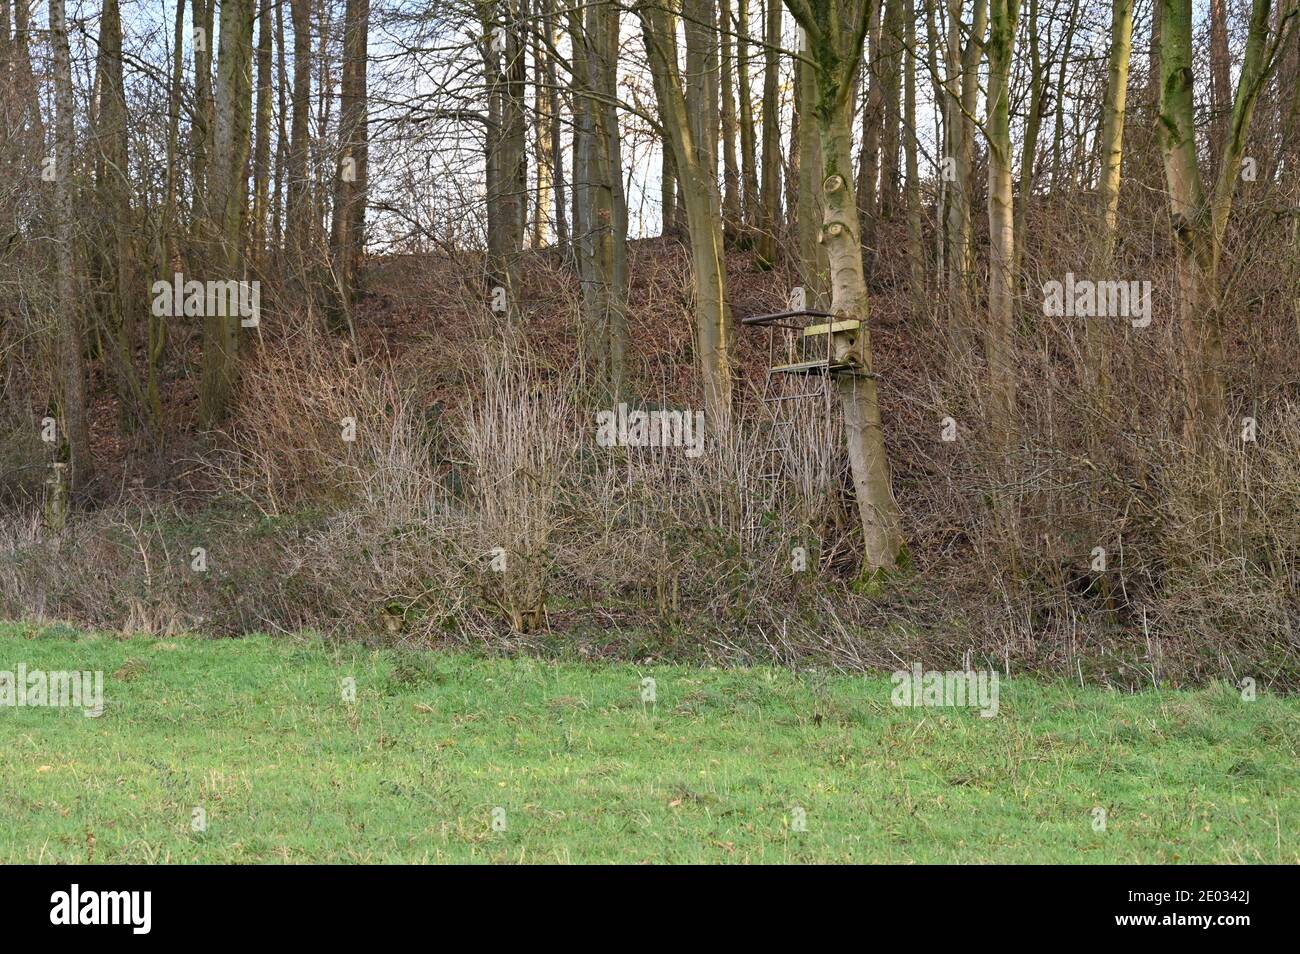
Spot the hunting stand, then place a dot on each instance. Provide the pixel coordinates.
(811, 346)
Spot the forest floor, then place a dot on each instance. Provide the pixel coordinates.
(246, 750)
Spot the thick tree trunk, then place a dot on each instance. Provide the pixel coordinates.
(835, 48)
(600, 234)
(351, 173)
(227, 200)
(72, 377)
(882, 536)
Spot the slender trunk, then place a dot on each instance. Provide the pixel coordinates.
(171, 260)
(1033, 125)
(892, 36)
(281, 143)
(1058, 130)
(298, 202)
(963, 62)
(999, 338)
(171, 241)
(262, 137)
(770, 211)
(730, 166)
(555, 131)
(1112, 155)
(748, 139)
(915, 242)
(1220, 83)
(542, 123)
(202, 39)
(872, 119)
(703, 215)
(814, 267)
(507, 164)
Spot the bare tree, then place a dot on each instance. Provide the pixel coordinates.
(836, 30)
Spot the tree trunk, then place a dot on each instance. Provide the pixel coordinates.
(703, 203)
(202, 39)
(814, 267)
(835, 48)
(872, 119)
(298, 212)
(349, 208)
(262, 137)
(999, 337)
(963, 62)
(71, 371)
(507, 136)
(748, 140)
(915, 241)
(730, 165)
(227, 200)
(599, 226)
(1220, 83)
(542, 124)
(1112, 155)
(555, 131)
(281, 143)
(890, 87)
(1033, 125)
(1200, 224)
(770, 211)
(23, 77)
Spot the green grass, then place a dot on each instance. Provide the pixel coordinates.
(256, 733)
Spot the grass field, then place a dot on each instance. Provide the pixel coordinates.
(256, 733)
